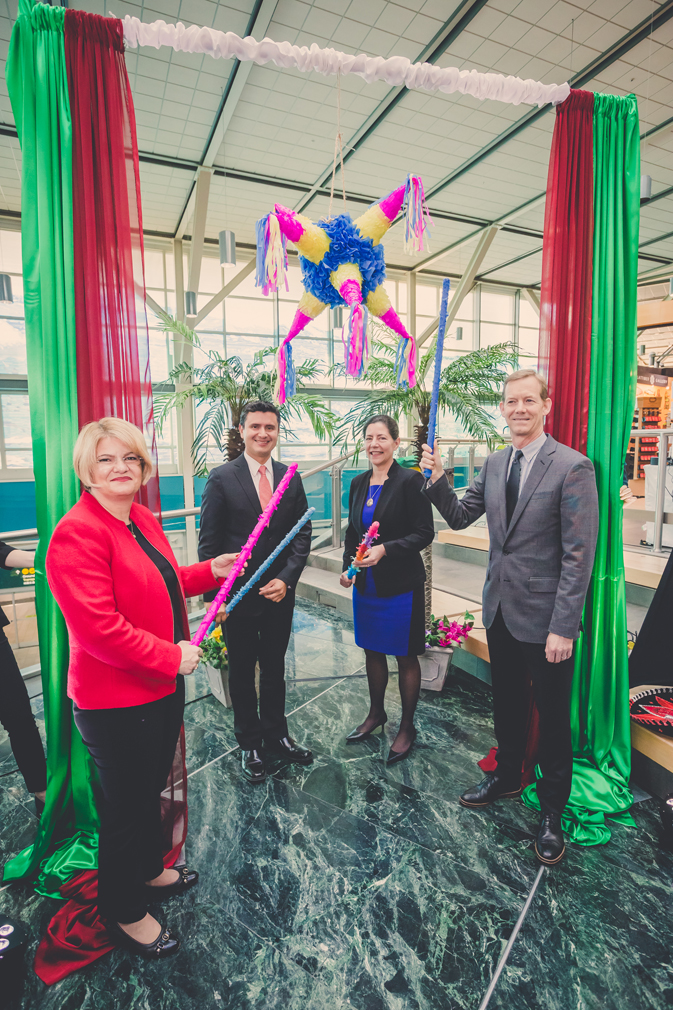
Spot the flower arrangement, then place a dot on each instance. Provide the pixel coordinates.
(443, 632)
(214, 649)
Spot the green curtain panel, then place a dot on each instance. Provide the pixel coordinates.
(599, 703)
(38, 90)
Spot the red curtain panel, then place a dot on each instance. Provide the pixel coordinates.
(112, 339)
(565, 304)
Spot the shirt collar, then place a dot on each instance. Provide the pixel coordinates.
(254, 465)
(532, 449)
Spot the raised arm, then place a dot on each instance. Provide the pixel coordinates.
(457, 512)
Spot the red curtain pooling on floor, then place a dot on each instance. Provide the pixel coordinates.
(567, 259)
(113, 375)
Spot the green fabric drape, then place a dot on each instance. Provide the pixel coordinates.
(38, 90)
(600, 695)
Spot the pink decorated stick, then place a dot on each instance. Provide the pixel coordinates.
(244, 556)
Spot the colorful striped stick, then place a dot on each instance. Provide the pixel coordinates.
(367, 540)
(439, 351)
(246, 551)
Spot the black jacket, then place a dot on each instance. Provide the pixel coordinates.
(5, 550)
(230, 509)
(406, 528)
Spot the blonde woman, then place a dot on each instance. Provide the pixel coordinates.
(122, 594)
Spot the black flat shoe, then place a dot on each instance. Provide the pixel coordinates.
(290, 750)
(549, 845)
(165, 944)
(489, 789)
(399, 755)
(186, 880)
(253, 766)
(357, 737)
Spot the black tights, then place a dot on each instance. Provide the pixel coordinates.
(409, 683)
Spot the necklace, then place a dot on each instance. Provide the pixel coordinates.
(373, 496)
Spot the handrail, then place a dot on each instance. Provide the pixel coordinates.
(329, 463)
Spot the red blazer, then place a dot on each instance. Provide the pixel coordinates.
(117, 607)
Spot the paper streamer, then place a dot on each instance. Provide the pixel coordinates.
(394, 70)
(366, 542)
(246, 551)
(439, 351)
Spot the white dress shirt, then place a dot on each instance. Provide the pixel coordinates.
(529, 451)
(255, 474)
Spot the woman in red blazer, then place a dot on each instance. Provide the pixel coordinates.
(122, 594)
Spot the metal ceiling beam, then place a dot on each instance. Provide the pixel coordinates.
(510, 262)
(465, 284)
(588, 73)
(532, 297)
(202, 192)
(259, 22)
(223, 292)
(447, 34)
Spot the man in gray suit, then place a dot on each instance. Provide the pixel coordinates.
(542, 508)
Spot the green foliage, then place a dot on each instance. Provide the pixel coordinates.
(226, 385)
(467, 385)
(215, 650)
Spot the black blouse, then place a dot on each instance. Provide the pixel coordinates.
(170, 578)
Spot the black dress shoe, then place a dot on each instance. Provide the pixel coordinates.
(357, 737)
(549, 845)
(489, 789)
(253, 766)
(164, 946)
(399, 755)
(186, 879)
(290, 750)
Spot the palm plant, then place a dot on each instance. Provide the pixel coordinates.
(225, 386)
(467, 386)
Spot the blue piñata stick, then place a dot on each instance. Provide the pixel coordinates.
(269, 561)
(439, 351)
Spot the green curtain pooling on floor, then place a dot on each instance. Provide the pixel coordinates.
(600, 695)
(38, 90)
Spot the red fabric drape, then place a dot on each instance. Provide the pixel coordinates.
(113, 374)
(567, 256)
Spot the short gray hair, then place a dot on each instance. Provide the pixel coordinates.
(523, 373)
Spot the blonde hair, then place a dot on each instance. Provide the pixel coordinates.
(523, 373)
(84, 453)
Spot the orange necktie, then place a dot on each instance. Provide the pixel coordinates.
(265, 491)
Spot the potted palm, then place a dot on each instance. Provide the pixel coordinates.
(225, 386)
(440, 637)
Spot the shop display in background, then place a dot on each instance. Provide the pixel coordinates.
(653, 411)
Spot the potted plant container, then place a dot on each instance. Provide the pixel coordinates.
(439, 640)
(217, 665)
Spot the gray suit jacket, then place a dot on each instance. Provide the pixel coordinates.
(540, 565)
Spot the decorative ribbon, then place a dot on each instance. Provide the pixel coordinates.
(439, 351)
(396, 70)
(246, 551)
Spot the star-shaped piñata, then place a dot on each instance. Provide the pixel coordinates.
(342, 263)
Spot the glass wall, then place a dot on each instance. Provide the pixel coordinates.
(243, 324)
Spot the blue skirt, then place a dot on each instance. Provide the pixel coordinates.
(393, 625)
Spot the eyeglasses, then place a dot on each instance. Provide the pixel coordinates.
(110, 461)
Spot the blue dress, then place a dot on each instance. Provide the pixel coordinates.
(393, 625)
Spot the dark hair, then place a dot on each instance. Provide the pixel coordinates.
(259, 407)
(390, 423)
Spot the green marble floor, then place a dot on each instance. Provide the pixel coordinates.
(349, 885)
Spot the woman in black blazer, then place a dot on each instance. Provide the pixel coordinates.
(389, 598)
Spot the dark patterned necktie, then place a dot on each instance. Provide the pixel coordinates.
(513, 483)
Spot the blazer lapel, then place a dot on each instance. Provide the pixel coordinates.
(359, 502)
(242, 472)
(501, 478)
(539, 468)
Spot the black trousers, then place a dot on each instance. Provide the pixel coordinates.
(513, 663)
(17, 718)
(133, 749)
(259, 633)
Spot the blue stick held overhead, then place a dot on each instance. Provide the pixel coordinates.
(439, 351)
(269, 561)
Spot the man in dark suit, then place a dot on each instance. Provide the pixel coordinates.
(258, 629)
(541, 503)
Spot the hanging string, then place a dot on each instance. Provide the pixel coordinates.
(338, 150)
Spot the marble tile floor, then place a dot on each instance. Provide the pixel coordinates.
(350, 885)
